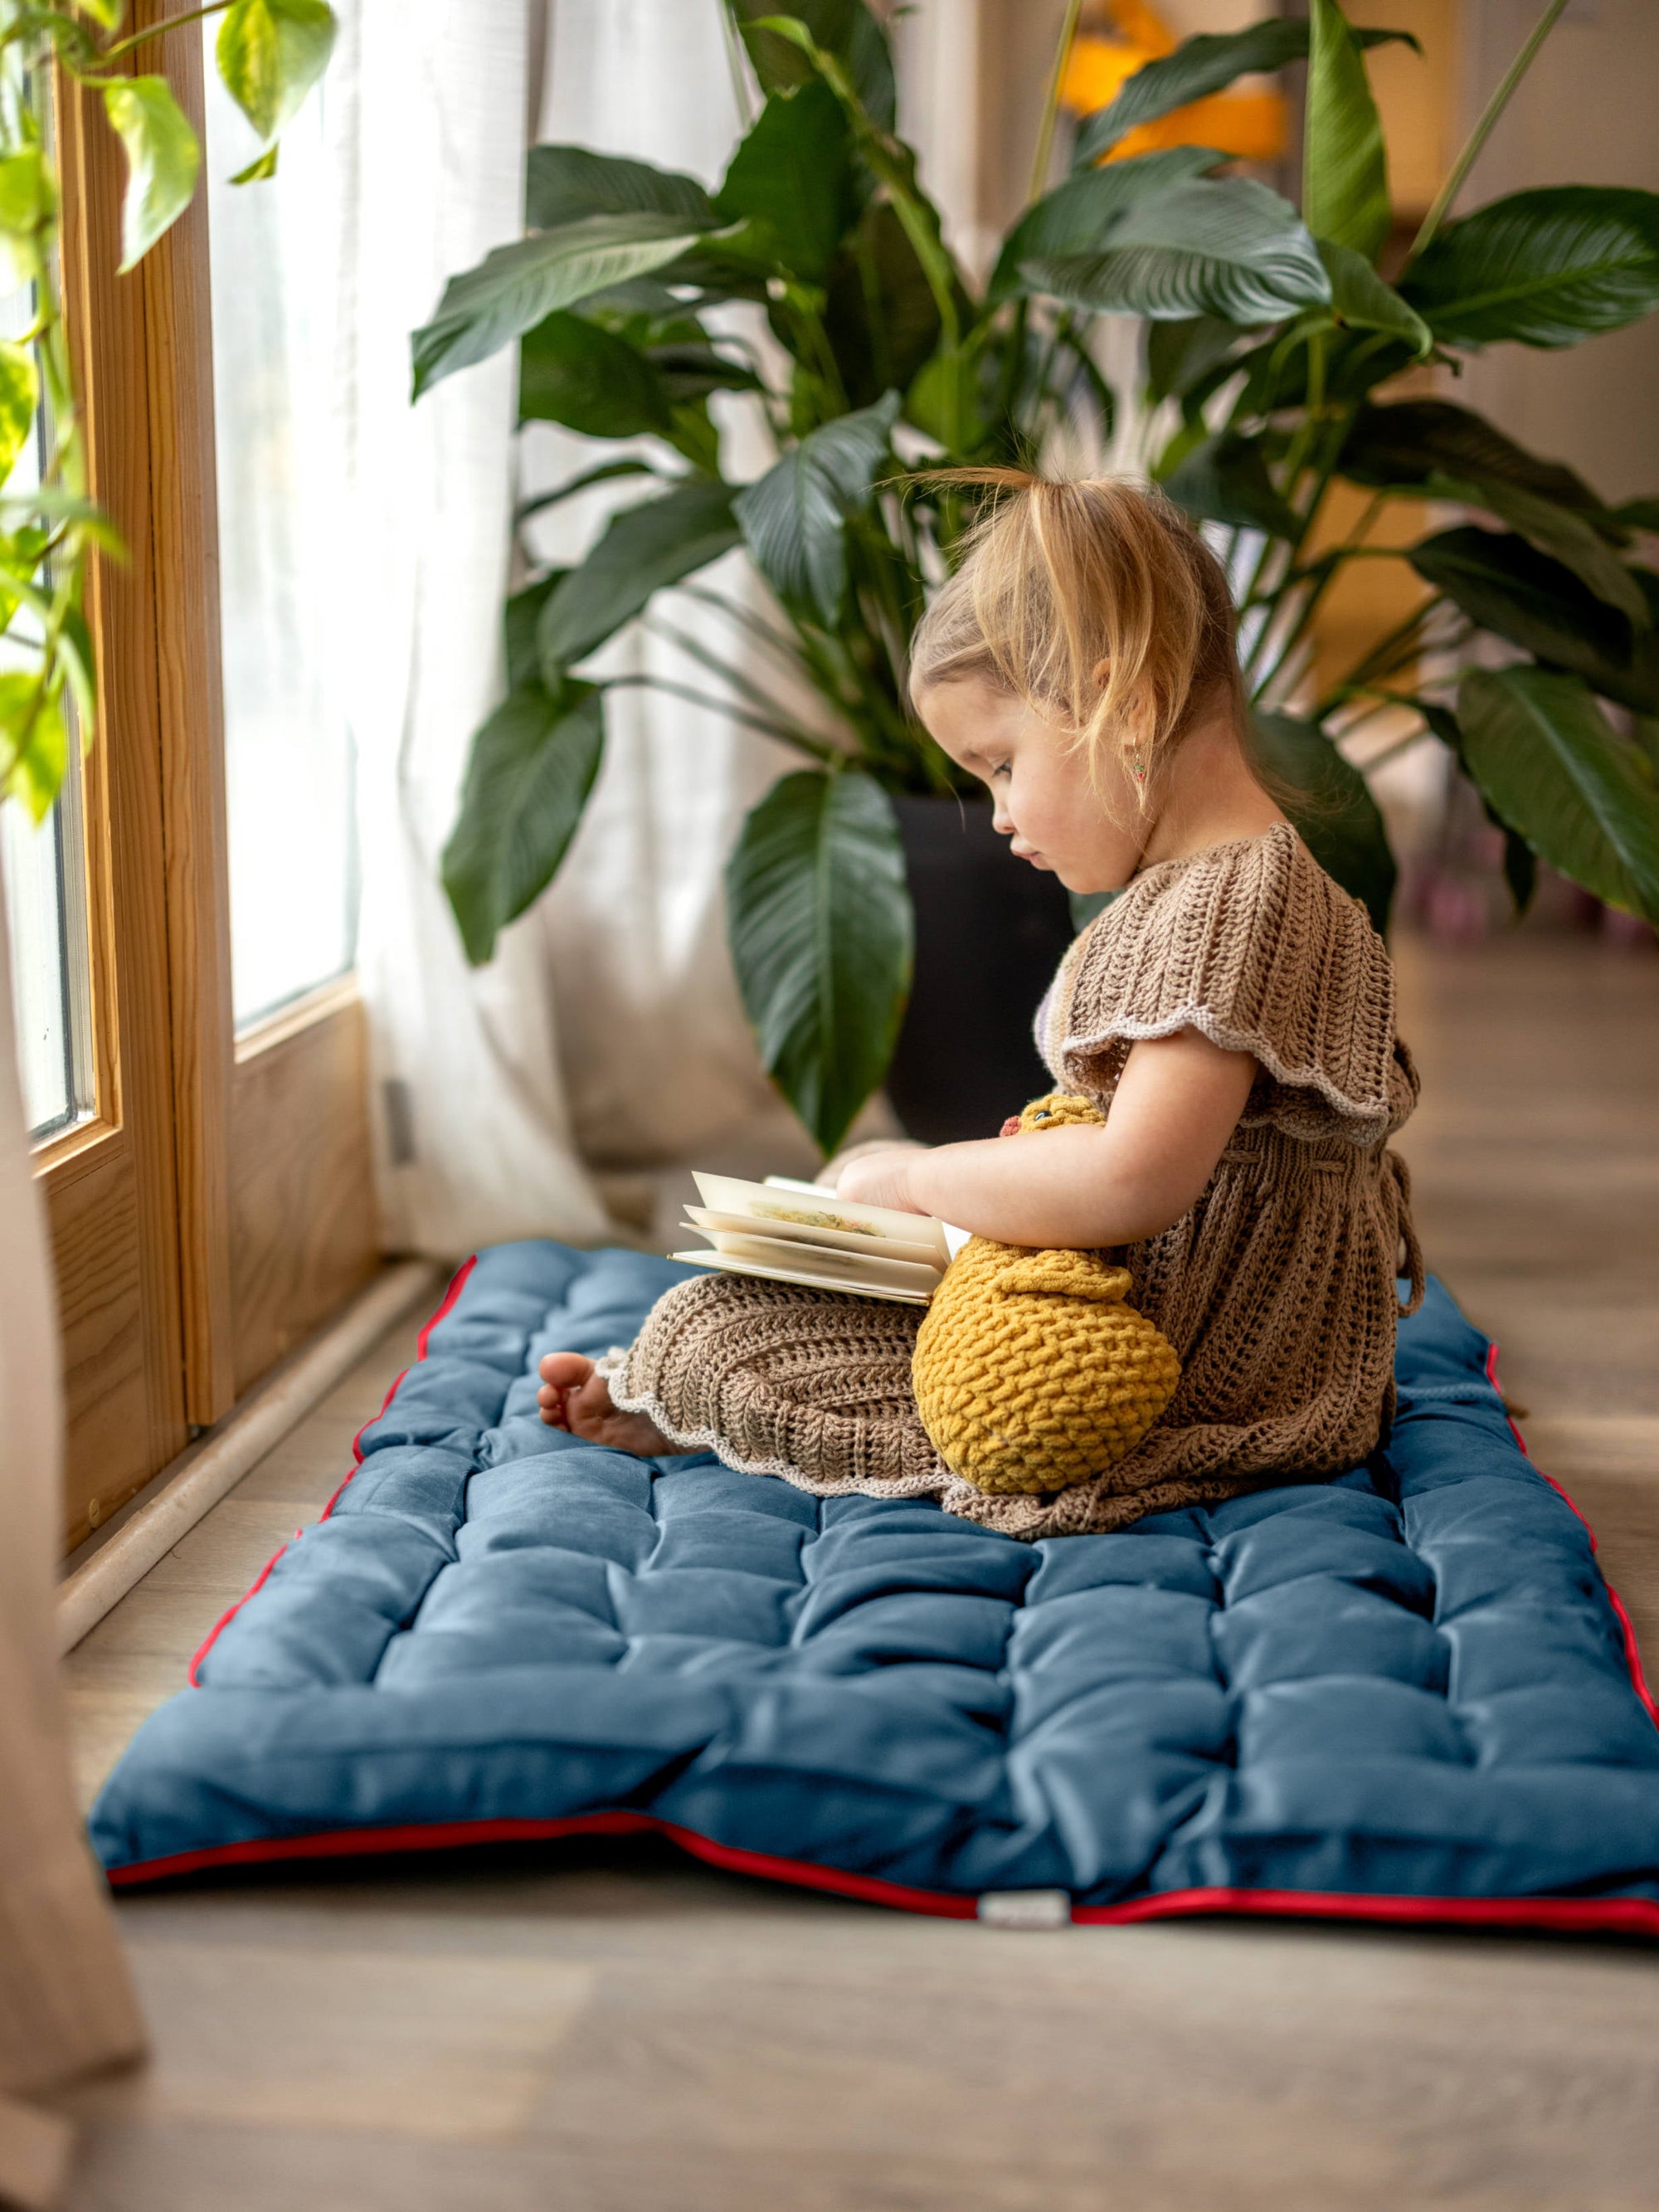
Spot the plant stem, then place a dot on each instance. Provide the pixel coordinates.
(159, 30)
(1045, 145)
(1484, 129)
(826, 756)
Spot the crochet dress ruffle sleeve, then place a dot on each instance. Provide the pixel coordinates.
(1254, 946)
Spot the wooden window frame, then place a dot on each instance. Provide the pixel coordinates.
(206, 1214)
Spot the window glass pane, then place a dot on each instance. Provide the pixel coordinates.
(288, 750)
(44, 870)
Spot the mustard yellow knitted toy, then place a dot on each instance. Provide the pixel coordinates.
(1030, 1373)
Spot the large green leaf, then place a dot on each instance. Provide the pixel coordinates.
(1545, 268)
(818, 917)
(845, 28)
(1360, 299)
(1509, 587)
(1413, 440)
(880, 315)
(1225, 478)
(791, 183)
(514, 288)
(691, 368)
(520, 619)
(1556, 530)
(566, 184)
(1229, 248)
(1076, 217)
(1345, 169)
(645, 548)
(1551, 767)
(1197, 67)
(270, 54)
(163, 160)
(1181, 355)
(532, 765)
(1331, 805)
(570, 371)
(794, 519)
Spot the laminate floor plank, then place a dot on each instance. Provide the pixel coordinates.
(609, 2028)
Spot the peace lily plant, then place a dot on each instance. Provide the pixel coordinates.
(270, 52)
(1270, 340)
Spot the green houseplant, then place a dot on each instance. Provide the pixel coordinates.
(1270, 335)
(270, 54)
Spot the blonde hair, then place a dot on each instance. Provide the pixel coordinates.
(1059, 578)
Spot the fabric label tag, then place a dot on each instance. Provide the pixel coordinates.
(1025, 1908)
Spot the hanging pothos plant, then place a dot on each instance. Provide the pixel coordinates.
(1271, 338)
(270, 54)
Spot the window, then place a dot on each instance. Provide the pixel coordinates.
(289, 767)
(46, 894)
(46, 921)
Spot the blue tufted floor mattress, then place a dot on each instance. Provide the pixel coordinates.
(1404, 1694)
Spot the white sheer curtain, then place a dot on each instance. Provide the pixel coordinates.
(428, 103)
(660, 1065)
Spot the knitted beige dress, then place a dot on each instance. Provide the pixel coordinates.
(1278, 1290)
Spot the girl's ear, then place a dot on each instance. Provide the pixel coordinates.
(1100, 672)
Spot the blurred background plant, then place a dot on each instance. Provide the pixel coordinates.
(270, 54)
(1259, 394)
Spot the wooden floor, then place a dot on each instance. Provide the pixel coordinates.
(590, 2032)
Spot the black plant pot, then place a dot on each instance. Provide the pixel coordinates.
(990, 931)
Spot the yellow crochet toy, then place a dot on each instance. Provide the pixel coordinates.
(1030, 1373)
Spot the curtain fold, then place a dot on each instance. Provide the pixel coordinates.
(66, 2007)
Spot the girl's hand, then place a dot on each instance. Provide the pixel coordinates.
(880, 1176)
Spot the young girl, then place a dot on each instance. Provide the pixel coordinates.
(1231, 1012)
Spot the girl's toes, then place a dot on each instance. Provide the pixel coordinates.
(565, 1370)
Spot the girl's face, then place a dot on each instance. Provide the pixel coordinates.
(1044, 801)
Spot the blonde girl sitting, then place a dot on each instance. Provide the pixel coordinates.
(1230, 1013)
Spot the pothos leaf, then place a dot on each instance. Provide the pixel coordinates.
(33, 739)
(270, 54)
(20, 396)
(260, 169)
(163, 160)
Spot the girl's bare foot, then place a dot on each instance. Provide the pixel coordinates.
(573, 1397)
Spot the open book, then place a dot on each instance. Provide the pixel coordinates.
(802, 1233)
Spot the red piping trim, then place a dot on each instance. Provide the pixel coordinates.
(1633, 1915)
(457, 1285)
(1625, 1915)
(231, 1612)
(1627, 1626)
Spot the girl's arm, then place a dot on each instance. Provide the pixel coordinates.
(1175, 1107)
